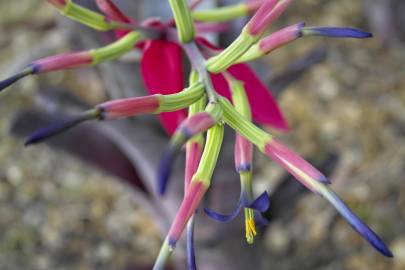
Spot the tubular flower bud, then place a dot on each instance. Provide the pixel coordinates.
(244, 157)
(127, 107)
(296, 165)
(291, 33)
(268, 12)
(251, 33)
(184, 20)
(194, 193)
(77, 59)
(273, 42)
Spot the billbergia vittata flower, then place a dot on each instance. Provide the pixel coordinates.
(222, 91)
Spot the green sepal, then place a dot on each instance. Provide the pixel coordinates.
(210, 155)
(181, 100)
(239, 98)
(243, 126)
(196, 107)
(183, 19)
(253, 53)
(221, 14)
(116, 49)
(231, 54)
(85, 16)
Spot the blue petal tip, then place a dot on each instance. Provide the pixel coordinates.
(336, 32)
(164, 170)
(12, 79)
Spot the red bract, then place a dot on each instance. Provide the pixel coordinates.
(162, 72)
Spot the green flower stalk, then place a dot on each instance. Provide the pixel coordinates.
(184, 21)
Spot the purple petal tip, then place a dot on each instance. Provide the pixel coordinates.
(12, 79)
(337, 32)
(165, 169)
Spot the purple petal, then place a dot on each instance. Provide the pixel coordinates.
(261, 203)
(190, 245)
(355, 221)
(223, 217)
(165, 169)
(336, 32)
(12, 79)
(57, 128)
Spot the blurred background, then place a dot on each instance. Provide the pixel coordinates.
(85, 200)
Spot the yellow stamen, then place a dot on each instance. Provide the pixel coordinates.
(250, 226)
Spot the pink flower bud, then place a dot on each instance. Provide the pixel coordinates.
(193, 156)
(62, 61)
(294, 164)
(268, 12)
(194, 194)
(243, 154)
(280, 38)
(129, 107)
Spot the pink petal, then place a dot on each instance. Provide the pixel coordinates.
(162, 72)
(265, 110)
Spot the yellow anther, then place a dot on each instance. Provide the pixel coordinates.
(250, 226)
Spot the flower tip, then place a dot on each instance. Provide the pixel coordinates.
(337, 32)
(57, 128)
(164, 170)
(14, 78)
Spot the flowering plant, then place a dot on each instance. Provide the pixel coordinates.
(222, 90)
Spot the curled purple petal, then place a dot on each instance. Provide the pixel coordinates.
(223, 217)
(337, 32)
(261, 203)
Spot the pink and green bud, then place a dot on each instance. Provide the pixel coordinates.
(199, 184)
(184, 21)
(294, 164)
(75, 60)
(243, 154)
(127, 107)
(192, 198)
(268, 12)
(273, 42)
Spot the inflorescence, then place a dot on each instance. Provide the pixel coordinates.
(222, 90)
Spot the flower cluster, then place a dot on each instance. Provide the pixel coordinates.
(222, 90)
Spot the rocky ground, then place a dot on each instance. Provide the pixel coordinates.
(60, 213)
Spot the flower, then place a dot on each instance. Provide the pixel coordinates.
(217, 78)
